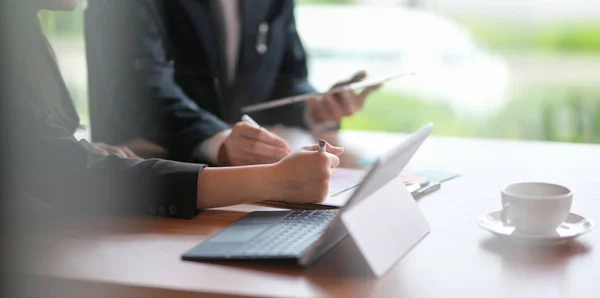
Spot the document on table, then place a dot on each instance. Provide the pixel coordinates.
(345, 182)
(342, 185)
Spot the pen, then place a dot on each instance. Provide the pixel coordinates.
(249, 120)
(322, 144)
(435, 186)
(344, 190)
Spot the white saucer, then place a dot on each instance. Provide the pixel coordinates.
(575, 226)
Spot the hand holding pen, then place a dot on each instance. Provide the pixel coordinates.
(305, 174)
(249, 144)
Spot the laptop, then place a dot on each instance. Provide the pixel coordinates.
(302, 236)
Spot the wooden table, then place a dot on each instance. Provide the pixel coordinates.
(140, 257)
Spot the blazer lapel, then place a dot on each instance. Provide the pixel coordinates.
(203, 21)
(210, 34)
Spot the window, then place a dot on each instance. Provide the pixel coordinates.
(494, 69)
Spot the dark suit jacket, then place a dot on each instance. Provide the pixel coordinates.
(44, 160)
(157, 70)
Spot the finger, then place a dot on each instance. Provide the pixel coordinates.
(347, 101)
(115, 150)
(369, 90)
(310, 148)
(110, 149)
(264, 150)
(129, 153)
(100, 146)
(101, 150)
(364, 94)
(334, 160)
(260, 134)
(120, 152)
(333, 107)
(334, 150)
(357, 77)
(329, 149)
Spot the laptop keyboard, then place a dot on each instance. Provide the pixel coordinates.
(290, 236)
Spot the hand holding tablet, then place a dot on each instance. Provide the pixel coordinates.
(354, 84)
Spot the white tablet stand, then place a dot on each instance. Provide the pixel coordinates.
(386, 225)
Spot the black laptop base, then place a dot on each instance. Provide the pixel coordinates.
(265, 235)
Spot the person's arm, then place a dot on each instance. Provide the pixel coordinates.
(302, 177)
(50, 164)
(132, 88)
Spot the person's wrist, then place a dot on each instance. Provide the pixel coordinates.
(316, 123)
(271, 182)
(211, 149)
(203, 191)
(223, 156)
(310, 117)
(253, 183)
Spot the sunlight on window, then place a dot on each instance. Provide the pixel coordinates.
(482, 72)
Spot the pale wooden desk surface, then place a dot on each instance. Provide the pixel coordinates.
(141, 257)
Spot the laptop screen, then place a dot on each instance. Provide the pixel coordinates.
(389, 166)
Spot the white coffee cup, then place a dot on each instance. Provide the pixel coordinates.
(535, 208)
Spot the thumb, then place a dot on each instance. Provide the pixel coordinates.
(329, 149)
(357, 77)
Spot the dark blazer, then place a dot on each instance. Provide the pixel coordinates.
(157, 70)
(48, 163)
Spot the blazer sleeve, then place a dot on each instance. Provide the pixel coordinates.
(293, 75)
(132, 86)
(50, 164)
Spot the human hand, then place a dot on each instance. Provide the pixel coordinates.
(333, 107)
(250, 145)
(303, 177)
(122, 151)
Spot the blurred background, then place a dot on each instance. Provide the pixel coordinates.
(511, 69)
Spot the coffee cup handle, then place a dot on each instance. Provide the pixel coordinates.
(503, 212)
